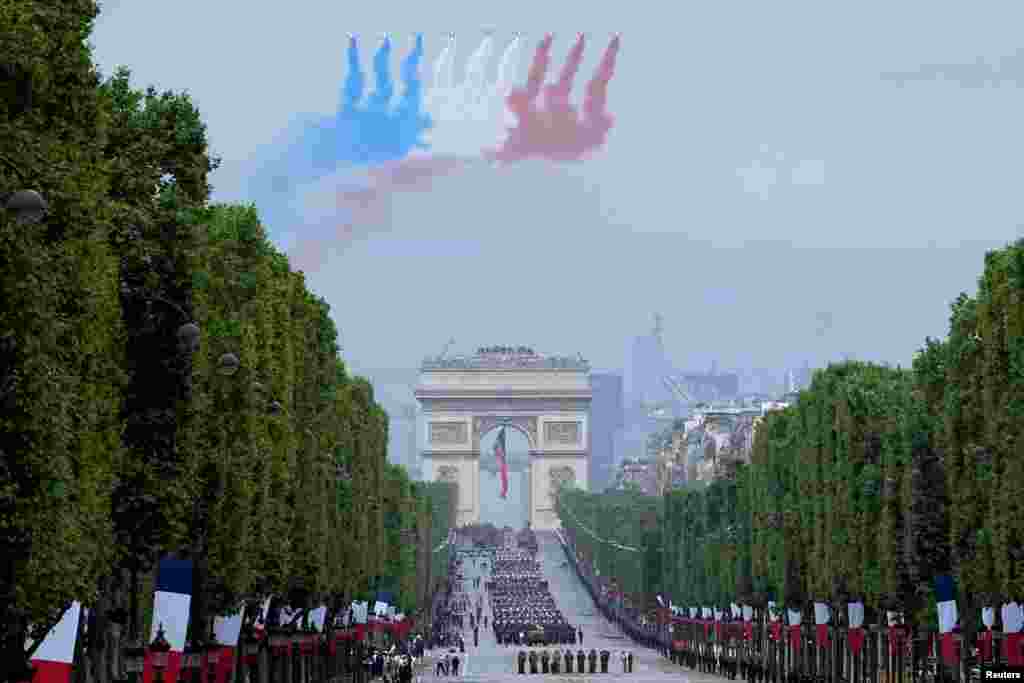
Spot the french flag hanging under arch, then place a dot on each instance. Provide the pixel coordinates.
(170, 609)
(499, 455)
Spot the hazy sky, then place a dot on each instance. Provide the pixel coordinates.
(770, 162)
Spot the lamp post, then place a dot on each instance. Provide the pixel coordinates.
(251, 651)
(134, 660)
(28, 206)
(160, 650)
(213, 649)
(191, 661)
(296, 659)
(279, 641)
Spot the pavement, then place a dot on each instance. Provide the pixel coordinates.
(491, 662)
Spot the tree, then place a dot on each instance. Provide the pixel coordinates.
(61, 332)
(158, 160)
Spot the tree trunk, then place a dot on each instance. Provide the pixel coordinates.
(103, 658)
(240, 673)
(13, 661)
(198, 622)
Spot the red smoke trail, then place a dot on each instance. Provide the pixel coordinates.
(555, 131)
(364, 208)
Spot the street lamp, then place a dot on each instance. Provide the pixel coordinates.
(134, 660)
(250, 653)
(279, 641)
(297, 640)
(213, 649)
(252, 646)
(228, 364)
(188, 336)
(160, 649)
(28, 206)
(191, 661)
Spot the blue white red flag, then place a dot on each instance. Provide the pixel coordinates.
(170, 611)
(53, 659)
(499, 455)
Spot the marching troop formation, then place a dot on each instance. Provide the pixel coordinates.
(524, 609)
(509, 595)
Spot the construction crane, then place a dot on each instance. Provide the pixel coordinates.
(444, 351)
(678, 389)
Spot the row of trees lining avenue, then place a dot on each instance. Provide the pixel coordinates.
(170, 386)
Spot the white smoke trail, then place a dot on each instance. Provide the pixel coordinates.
(473, 92)
(448, 72)
(503, 83)
(469, 114)
(440, 89)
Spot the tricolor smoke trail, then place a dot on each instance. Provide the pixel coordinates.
(340, 172)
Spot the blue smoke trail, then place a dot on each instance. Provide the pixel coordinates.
(385, 86)
(410, 108)
(358, 135)
(355, 82)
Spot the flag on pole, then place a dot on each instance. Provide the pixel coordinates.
(945, 603)
(499, 455)
(226, 630)
(855, 634)
(795, 626)
(822, 617)
(1013, 622)
(317, 618)
(988, 617)
(170, 611)
(263, 617)
(53, 660)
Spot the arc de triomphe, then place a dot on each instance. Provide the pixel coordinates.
(546, 398)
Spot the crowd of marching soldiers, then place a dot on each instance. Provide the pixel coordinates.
(524, 613)
(551, 661)
(523, 607)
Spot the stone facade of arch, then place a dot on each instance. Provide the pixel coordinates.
(550, 406)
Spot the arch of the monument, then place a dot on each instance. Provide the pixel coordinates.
(546, 399)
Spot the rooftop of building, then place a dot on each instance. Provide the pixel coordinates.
(506, 358)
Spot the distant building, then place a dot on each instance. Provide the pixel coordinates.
(798, 379)
(640, 473)
(711, 386)
(677, 476)
(648, 364)
(607, 418)
(804, 375)
(650, 403)
(718, 439)
(767, 407)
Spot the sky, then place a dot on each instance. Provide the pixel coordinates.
(771, 165)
